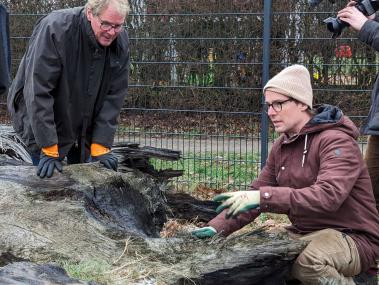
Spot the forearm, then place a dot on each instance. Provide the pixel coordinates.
(42, 73)
(369, 34)
(105, 126)
(226, 226)
(41, 115)
(106, 118)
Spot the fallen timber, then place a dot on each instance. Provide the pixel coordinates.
(88, 212)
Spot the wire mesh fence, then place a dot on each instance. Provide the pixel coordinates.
(196, 76)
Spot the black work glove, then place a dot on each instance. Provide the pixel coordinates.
(109, 160)
(47, 164)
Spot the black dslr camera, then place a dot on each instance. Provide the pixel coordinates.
(335, 25)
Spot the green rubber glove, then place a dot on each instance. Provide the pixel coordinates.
(238, 202)
(205, 232)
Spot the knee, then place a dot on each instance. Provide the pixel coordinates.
(307, 267)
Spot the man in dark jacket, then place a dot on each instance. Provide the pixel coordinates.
(71, 84)
(368, 32)
(5, 59)
(316, 175)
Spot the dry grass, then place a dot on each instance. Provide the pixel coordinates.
(157, 262)
(203, 192)
(137, 266)
(145, 264)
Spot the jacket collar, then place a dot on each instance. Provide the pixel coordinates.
(87, 29)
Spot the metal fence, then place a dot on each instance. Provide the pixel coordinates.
(197, 72)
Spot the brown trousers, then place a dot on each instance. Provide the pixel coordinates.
(372, 161)
(330, 258)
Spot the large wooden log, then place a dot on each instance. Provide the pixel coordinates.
(81, 213)
(87, 212)
(250, 258)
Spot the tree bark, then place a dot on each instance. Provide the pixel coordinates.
(88, 212)
(27, 273)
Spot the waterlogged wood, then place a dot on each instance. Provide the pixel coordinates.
(132, 156)
(184, 206)
(82, 213)
(88, 212)
(26, 273)
(251, 258)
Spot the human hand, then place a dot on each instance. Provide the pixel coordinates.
(47, 164)
(238, 202)
(354, 3)
(109, 160)
(205, 232)
(351, 15)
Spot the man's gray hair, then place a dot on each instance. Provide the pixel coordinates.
(97, 6)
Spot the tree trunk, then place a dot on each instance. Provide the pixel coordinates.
(88, 212)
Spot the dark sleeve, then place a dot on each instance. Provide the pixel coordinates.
(105, 122)
(226, 226)
(369, 34)
(43, 68)
(5, 62)
(376, 17)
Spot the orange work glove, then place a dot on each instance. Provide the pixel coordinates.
(98, 149)
(104, 155)
(51, 150)
(49, 161)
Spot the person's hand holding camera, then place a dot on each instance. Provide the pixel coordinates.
(354, 3)
(355, 18)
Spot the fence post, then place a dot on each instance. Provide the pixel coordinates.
(265, 77)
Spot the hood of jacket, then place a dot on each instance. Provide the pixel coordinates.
(326, 117)
(330, 117)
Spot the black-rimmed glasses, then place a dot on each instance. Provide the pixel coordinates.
(106, 26)
(277, 105)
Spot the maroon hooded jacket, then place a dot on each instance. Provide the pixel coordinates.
(319, 179)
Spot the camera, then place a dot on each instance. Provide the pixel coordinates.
(367, 7)
(314, 3)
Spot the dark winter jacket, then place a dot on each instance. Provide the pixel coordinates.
(5, 60)
(318, 178)
(369, 34)
(68, 87)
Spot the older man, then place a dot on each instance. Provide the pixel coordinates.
(315, 174)
(71, 84)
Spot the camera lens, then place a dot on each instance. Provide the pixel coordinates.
(335, 26)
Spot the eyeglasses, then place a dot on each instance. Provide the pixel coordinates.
(106, 26)
(277, 106)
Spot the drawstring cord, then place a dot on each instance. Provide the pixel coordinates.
(305, 150)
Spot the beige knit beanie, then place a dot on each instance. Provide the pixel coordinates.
(293, 81)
